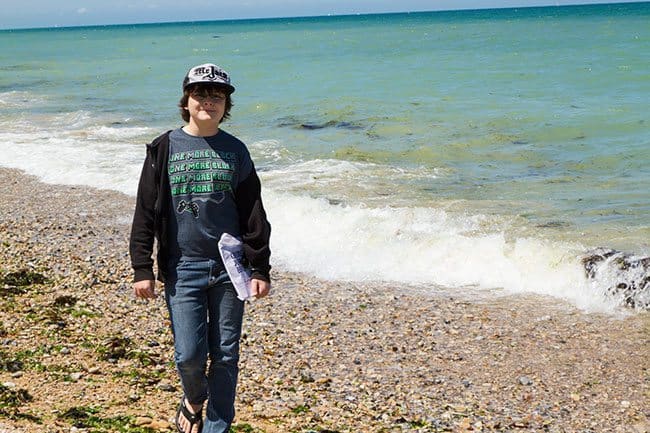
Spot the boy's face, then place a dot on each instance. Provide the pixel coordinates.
(206, 104)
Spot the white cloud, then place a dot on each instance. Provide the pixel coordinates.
(81, 11)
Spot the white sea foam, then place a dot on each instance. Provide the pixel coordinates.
(270, 150)
(422, 246)
(118, 133)
(345, 241)
(18, 99)
(71, 158)
(76, 120)
(349, 181)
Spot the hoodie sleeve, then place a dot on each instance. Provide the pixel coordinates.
(142, 229)
(255, 229)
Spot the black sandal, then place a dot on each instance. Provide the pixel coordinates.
(192, 418)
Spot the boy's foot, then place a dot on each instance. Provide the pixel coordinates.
(189, 417)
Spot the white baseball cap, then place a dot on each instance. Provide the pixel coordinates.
(208, 73)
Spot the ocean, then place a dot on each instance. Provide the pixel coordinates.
(469, 152)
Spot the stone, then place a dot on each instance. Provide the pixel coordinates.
(159, 425)
(524, 380)
(167, 387)
(142, 420)
(627, 276)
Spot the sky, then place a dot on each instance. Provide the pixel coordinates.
(60, 13)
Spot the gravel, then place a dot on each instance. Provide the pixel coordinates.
(316, 355)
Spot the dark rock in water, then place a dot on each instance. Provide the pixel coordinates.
(288, 121)
(318, 125)
(296, 123)
(335, 201)
(348, 125)
(554, 225)
(331, 124)
(626, 276)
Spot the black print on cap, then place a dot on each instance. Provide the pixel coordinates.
(207, 73)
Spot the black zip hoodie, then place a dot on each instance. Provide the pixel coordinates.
(150, 219)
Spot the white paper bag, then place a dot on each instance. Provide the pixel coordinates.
(232, 251)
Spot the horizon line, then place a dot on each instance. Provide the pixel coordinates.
(342, 15)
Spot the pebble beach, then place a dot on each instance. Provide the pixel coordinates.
(79, 353)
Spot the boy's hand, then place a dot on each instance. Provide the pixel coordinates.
(260, 288)
(145, 289)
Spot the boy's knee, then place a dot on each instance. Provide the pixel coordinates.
(225, 357)
(192, 363)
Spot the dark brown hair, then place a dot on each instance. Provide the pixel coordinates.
(201, 87)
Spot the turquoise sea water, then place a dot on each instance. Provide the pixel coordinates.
(484, 149)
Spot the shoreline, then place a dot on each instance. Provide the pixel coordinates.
(348, 357)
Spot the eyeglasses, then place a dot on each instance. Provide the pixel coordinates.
(205, 96)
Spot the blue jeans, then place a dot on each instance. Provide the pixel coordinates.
(206, 319)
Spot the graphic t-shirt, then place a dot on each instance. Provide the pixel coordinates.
(203, 175)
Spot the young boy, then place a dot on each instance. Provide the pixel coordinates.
(197, 183)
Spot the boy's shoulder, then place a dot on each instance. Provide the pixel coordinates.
(224, 138)
(161, 139)
(225, 135)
